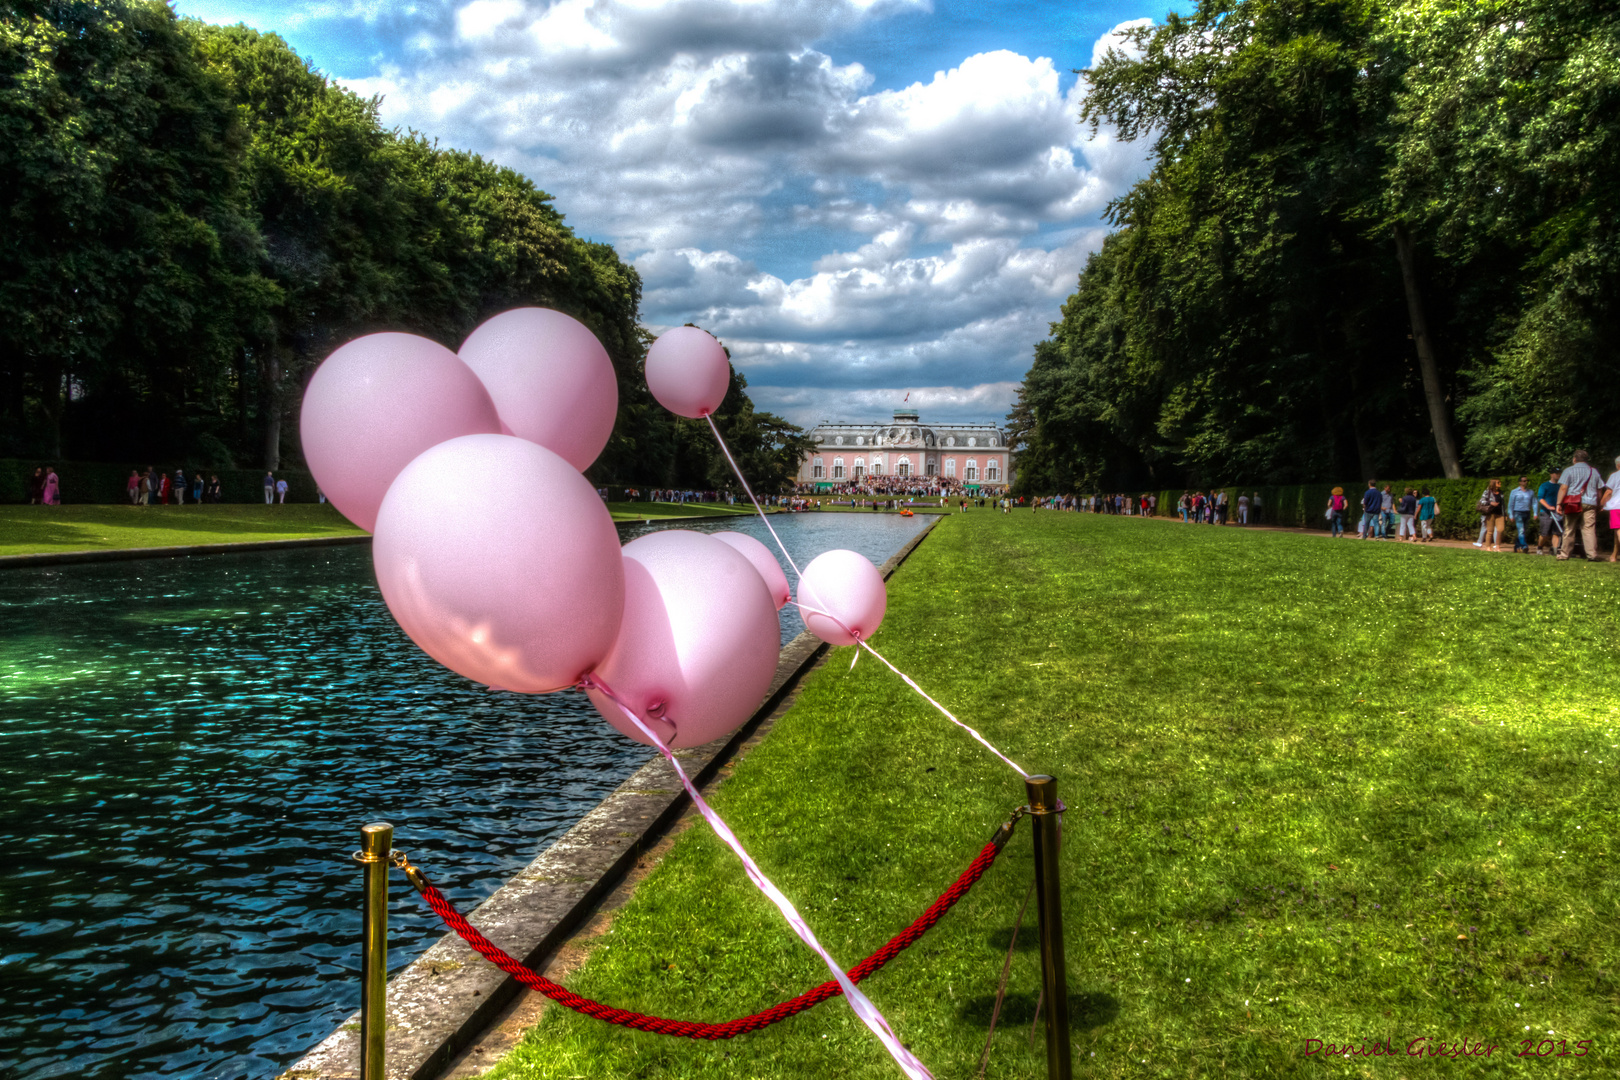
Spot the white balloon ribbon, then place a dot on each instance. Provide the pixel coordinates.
(858, 1001)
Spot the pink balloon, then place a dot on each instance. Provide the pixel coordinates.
(760, 555)
(848, 587)
(687, 371)
(375, 404)
(550, 378)
(700, 640)
(500, 560)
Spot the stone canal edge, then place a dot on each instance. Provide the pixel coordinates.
(445, 999)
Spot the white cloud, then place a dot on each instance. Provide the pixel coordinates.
(701, 136)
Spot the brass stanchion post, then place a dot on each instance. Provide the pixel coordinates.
(376, 841)
(1043, 809)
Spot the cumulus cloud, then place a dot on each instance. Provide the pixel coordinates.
(697, 134)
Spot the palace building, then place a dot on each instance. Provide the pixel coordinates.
(966, 455)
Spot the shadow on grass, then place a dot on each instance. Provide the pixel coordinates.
(1087, 1011)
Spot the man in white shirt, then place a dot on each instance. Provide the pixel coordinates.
(1580, 481)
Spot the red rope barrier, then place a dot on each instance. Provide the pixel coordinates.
(694, 1030)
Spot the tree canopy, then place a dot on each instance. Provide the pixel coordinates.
(1377, 237)
(195, 217)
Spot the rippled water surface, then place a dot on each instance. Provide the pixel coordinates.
(188, 748)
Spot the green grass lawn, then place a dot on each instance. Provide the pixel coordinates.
(1346, 792)
(28, 529)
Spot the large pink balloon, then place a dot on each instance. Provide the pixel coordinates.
(699, 643)
(687, 371)
(500, 560)
(760, 555)
(375, 404)
(551, 380)
(845, 585)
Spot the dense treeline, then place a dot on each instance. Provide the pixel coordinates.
(1379, 237)
(194, 218)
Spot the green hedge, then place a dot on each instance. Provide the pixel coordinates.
(101, 482)
(1304, 505)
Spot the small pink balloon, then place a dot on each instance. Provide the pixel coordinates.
(550, 378)
(687, 371)
(500, 560)
(699, 644)
(378, 402)
(845, 585)
(760, 555)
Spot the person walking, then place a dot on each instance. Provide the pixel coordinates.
(1335, 513)
(179, 487)
(1548, 528)
(134, 487)
(163, 489)
(1578, 491)
(1611, 503)
(212, 491)
(197, 487)
(269, 488)
(1490, 516)
(1243, 509)
(144, 497)
(1386, 516)
(50, 492)
(1408, 510)
(1221, 507)
(1372, 508)
(36, 487)
(1255, 506)
(1425, 511)
(1521, 506)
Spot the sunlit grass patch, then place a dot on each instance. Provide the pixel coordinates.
(29, 529)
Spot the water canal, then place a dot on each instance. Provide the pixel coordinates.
(188, 748)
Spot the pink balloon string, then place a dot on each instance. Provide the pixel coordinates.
(726, 450)
(802, 608)
(858, 1001)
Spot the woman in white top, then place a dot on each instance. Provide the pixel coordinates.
(1611, 503)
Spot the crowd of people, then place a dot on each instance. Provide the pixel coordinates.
(913, 487)
(1564, 510)
(153, 488)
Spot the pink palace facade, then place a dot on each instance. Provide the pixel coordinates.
(970, 455)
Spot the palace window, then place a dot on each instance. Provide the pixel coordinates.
(932, 467)
(816, 471)
(950, 468)
(860, 468)
(905, 466)
(951, 441)
(839, 441)
(877, 466)
(992, 471)
(860, 440)
(972, 441)
(971, 473)
(992, 441)
(838, 468)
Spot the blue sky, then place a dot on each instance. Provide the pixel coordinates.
(862, 198)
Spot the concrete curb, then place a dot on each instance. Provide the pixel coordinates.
(67, 558)
(450, 994)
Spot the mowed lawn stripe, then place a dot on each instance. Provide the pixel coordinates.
(1354, 792)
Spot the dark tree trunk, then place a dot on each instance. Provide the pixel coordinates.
(1439, 414)
(272, 410)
